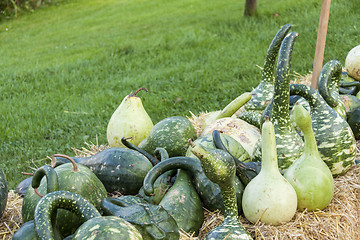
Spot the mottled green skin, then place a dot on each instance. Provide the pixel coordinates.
(119, 169)
(309, 175)
(26, 232)
(289, 144)
(229, 229)
(354, 122)
(233, 146)
(47, 207)
(3, 192)
(334, 137)
(152, 221)
(83, 182)
(108, 227)
(183, 203)
(251, 117)
(220, 168)
(171, 133)
(209, 192)
(264, 92)
(328, 86)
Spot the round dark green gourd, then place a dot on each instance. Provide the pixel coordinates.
(121, 170)
(152, 221)
(3, 192)
(334, 137)
(209, 192)
(328, 86)
(289, 144)
(263, 93)
(26, 232)
(219, 167)
(48, 205)
(69, 177)
(244, 170)
(354, 122)
(171, 133)
(309, 175)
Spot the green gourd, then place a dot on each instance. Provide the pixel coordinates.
(309, 175)
(288, 142)
(334, 137)
(130, 119)
(228, 111)
(67, 177)
(209, 192)
(269, 197)
(3, 192)
(264, 92)
(121, 170)
(354, 122)
(152, 221)
(171, 133)
(328, 86)
(26, 232)
(219, 167)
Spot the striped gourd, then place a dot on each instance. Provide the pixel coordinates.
(288, 143)
(329, 81)
(334, 137)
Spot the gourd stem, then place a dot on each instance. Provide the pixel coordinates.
(136, 92)
(329, 81)
(229, 198)
(129, 145)
(54, 156)
(234, 105)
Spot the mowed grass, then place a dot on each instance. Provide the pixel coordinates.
(65, 69)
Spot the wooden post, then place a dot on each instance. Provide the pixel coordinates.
(250, 8)
(320, 43)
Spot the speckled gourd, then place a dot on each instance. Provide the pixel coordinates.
(269, 197)
(67, 177)
(334, 137)
(171, 133)
(152, 221)
(209, 192)
(3, 192)
(289, 144)
(219, 167)
(309, 175)
(328, 86)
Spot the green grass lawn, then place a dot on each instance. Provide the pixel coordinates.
(64, 69)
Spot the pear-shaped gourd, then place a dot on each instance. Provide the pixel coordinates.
(329, 81)
(309, 175)
(269, 197)
(219, 167)
(130, 119)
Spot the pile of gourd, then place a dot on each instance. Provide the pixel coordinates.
(165, 174)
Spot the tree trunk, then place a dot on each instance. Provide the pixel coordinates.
(250, 8)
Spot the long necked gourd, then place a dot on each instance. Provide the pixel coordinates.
(288, 142)
(329, 81)
(209, 192)
(264, 92)
(334, 137)
(309, 175)
(219, 167)
(269, 197)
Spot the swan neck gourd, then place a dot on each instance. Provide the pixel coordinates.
(269, 163)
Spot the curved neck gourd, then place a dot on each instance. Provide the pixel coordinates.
(329, 81)
(335, 140)
(263, 93)
(46, 210)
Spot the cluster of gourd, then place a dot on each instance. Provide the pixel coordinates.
(167, 173)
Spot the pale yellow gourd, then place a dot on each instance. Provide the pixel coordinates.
(309, 175)
(130, 120)
(269, 197)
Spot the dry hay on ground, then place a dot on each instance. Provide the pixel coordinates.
(340, 220)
